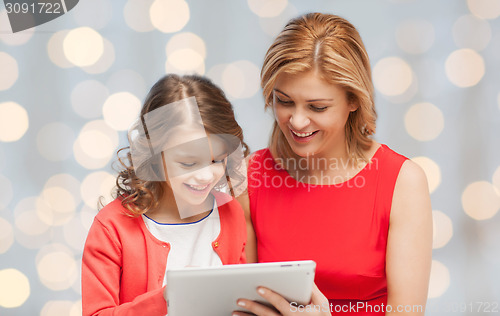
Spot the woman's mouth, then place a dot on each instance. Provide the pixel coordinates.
(303, 137)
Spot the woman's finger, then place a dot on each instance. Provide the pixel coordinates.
(254, 307)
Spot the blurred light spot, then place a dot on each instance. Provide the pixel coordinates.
(241, 79)
(186, 53)
(464, 67)
(495, 180)
(442, 229)
(14, 121)
(485, 9)
(54, 141)
(136, 13)
(272, 26)
(415, 36)
(184, 61)
(76, 309)
(56, 206)
(439, 281)
(471, 32)
(169, 16)
(432, 171)
(267, 9)
(6, 192)
(77, 284)
(14, 288)
(120, 110)
(56, 267)
(95, 145)
(6, 236)
(95, 185)
(392, 76)
(56, 52)
(13, 39)
(29, 223)
(88, 97)
(126, 80)
(10, 71)
(105, 61)
(66, 181)
(53, 308)
(481, 200)
(93, 13)
(31, 232)
(87, 213)
(424, 121)
(75, 234)
(83, 46)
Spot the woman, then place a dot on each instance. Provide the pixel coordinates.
(325, 190)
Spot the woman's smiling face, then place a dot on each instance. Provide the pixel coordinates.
(311, 113)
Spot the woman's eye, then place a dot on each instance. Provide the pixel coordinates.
(318, 108)
(283, 101)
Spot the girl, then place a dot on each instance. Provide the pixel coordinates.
(185, 147)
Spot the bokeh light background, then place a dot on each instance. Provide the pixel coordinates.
(70, 88)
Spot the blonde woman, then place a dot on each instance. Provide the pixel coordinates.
(325, 190)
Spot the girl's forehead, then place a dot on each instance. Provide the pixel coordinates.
(184, 134)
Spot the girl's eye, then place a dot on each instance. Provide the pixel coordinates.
(187, 164)
(218, 160)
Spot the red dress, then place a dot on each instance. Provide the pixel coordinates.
(342, 227)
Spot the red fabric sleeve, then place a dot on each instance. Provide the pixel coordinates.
(101, 273)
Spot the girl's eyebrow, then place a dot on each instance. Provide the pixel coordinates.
(312, 100)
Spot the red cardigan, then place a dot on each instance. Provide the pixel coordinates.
(123, 264)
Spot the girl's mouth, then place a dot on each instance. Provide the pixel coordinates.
(198, 189)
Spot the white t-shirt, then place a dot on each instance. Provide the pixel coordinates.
(190, 243)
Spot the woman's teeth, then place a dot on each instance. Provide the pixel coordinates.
(302, 134)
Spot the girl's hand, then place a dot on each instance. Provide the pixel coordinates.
(319, 305)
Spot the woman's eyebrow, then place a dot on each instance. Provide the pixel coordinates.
(312, 100)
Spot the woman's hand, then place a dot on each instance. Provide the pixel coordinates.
(319, 305)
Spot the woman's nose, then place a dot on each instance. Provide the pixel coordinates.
(299, 120)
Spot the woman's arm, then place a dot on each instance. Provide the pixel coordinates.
(409, 245)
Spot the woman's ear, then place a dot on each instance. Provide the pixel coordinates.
(353, 102)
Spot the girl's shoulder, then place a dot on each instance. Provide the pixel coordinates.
(114, 213)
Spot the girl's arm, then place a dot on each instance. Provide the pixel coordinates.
(101, 273)
(409, 245)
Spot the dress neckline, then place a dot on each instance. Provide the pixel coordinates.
(365, 169)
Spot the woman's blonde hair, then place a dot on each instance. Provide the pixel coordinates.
(140, 195)
(332, 46)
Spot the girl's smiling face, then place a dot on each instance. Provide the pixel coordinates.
(194, 164)
(311, 113)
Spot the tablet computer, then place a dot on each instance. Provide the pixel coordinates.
(214, 290)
